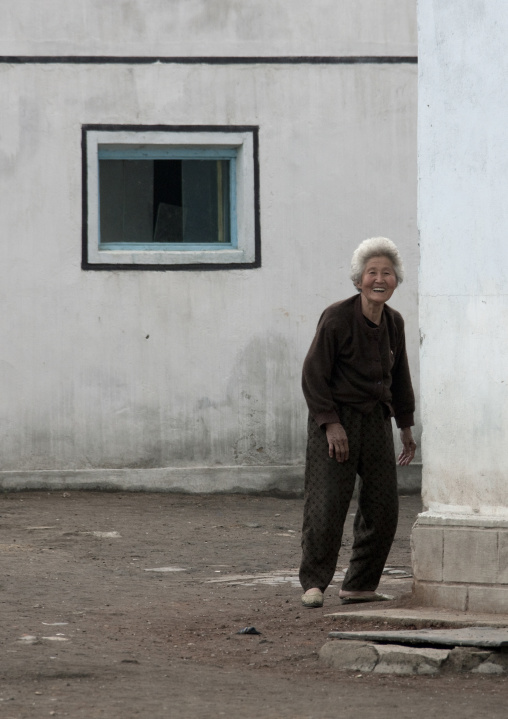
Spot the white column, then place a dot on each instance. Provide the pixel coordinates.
(460, 544)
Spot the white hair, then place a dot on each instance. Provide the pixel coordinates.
(375, 247)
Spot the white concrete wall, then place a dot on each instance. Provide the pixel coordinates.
(208, 27)
(463, 218)
(182, 370)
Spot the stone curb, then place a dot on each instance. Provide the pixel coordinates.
(358, 656)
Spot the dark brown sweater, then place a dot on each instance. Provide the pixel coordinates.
(351, 363)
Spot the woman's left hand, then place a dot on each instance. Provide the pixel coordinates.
(409, 449)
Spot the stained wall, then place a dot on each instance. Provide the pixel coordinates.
(191, 379)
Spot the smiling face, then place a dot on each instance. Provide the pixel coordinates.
(378, 280)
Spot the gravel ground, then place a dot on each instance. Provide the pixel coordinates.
(89, 629)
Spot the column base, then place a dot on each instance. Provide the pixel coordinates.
(461, 563)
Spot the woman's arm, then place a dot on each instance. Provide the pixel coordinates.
(337, 442)
(317, 374)
(409, 448)
(403, 398)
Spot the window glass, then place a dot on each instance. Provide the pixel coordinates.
(164, 201)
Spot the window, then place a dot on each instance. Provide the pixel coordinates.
(170, 198)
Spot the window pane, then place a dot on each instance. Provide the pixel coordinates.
(164, 201)
(167, 201)
(126, 200)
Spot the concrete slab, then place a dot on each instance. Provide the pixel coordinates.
(427, 547)
(488, 598)
(285, 480)
(275, 578)
(394, 659)
(421, 617)
(352, 656)
(480, 637)
(446, 596)
(363, 657)
(469, 555)
(469, 659)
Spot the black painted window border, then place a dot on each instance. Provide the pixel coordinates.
(94, 266)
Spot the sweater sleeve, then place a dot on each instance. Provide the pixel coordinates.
(403, 399)
(317, 374)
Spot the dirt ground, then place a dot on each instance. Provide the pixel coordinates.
(88, 630)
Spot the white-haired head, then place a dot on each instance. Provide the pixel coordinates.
(375, 247)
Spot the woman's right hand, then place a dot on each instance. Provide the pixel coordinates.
(337, 441)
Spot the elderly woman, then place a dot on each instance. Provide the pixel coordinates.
(355, 378)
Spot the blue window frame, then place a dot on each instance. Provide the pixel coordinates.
(160, 198)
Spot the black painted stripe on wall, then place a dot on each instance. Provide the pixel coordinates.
(283, 60)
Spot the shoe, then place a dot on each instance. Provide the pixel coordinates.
(362, 598)
(313, 598)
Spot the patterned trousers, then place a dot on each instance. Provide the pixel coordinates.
(329, 487)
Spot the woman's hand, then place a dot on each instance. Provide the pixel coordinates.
(337, 441)
(409, 449)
